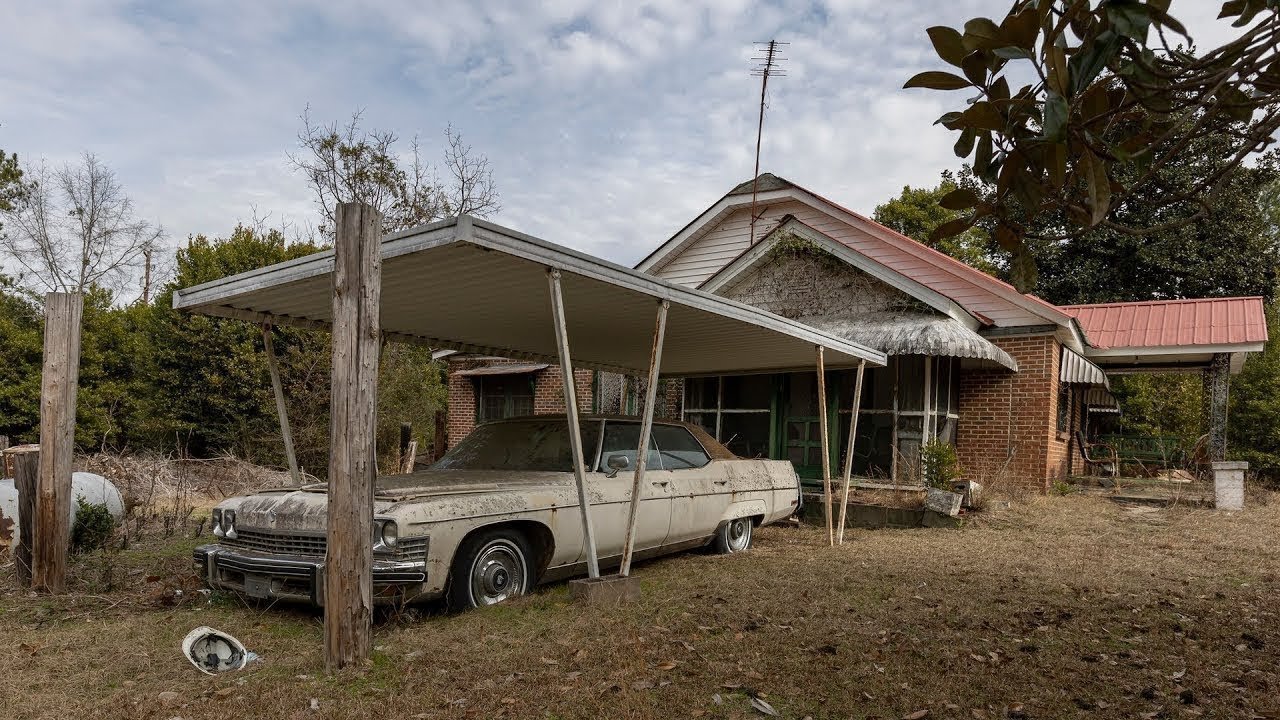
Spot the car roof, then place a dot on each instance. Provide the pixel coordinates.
(710, 444)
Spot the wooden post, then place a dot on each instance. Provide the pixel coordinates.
(826, 450)
(58, 384)
(406, 435)
(348, 571)
(848, 456)
(571, 412)
(283, 412)
(646, 428)
(440, 442)
(26, 478)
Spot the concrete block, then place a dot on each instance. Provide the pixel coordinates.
(1228, 484)
(943, 502)
(606, 590)
(970, 490)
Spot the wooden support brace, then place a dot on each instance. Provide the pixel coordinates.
(646, 429)
(282, 412)
(348, 571)
(26, 477)
(848, 456)
(826, 449)
(59, 382)
(571, 413)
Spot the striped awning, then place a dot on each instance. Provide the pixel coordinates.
(1100, 400)
(1078, 369)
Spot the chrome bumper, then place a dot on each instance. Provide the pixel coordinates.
(298, 578)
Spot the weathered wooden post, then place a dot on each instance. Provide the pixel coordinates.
(58, 384)
(848, 456)
(646, 430)
(348, 571)
(26, 479)
(826, 450)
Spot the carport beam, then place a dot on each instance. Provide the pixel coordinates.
(571, 412)
(826, 446)
(646, 429)
(848, 454)
(277, 388)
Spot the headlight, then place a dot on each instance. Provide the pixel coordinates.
(229, 520)
(217, 523)
(390, 533)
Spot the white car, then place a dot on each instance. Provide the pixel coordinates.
(499, 513)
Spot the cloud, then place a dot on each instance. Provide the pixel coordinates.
(609, 125)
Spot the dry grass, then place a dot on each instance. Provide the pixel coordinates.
(1059, 607)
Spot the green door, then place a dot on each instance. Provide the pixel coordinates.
(800, 434)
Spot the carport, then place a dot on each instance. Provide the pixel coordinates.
(474, 286)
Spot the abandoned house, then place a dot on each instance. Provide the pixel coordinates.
(1010, 380)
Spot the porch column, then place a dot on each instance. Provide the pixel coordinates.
(1217, 382)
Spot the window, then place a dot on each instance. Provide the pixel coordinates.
(503, 396)
(539, 445)
(677, 448)
(733, 409)
(622, 438)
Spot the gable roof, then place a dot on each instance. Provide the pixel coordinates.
(973, 290)
(1163, 323)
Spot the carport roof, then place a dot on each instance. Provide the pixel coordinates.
(475, 286)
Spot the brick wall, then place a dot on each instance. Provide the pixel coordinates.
(1008, 421)
(548, 393)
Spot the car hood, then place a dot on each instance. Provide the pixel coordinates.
(435, 483)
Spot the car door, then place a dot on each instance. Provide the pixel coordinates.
(611, 501)
(699, 487)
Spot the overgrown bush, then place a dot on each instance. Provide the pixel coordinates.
(93, 527)
(939, 463)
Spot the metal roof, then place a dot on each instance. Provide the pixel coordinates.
(1173, 323)
(474, 286)
(1076, 368)
(504, 369)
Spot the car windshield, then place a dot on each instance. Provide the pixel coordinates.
(538, 445)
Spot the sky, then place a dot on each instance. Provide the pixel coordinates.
(609, 125)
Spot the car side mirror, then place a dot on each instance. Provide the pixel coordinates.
(617, 463)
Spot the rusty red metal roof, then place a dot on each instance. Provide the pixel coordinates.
(1166, 323)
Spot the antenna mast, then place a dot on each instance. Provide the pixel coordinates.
(766, 65)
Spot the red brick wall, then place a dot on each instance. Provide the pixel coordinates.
(548, 394)
(1008, 421)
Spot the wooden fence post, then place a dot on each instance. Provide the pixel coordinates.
(26, 478)
(348, 572)
(58, 384)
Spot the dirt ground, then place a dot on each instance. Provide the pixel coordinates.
(1058, 607)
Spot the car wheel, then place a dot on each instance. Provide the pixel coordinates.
(490, 567)
(734, 536)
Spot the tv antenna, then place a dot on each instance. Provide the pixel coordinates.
(766, 65)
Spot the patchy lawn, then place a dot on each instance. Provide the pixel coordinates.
(1060, 607)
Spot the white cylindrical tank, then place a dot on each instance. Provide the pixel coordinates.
(95, 489)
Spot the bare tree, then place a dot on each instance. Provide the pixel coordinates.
(346, 163)
(75, 228)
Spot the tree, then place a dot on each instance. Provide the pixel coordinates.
(350, 164)
(1108, 87)
(74, 228)
(12, 188)
(1254, 414)
(916, 213)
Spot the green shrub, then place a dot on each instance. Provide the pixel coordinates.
(93, 527)
(939, 463)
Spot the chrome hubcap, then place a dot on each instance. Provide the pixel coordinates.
(739, 534)
(498, 573)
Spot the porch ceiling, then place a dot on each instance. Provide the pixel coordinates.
(475, 286)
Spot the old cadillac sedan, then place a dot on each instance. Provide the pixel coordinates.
(499, 513)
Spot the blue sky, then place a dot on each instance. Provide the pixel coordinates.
(609, 125)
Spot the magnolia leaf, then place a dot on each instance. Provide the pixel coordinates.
(1098, 185)
(1160, 16)
(948, 43)
(975, 67)
(982, 34)
(1021, 30)
(1022, 270)
(951, 228)
(949, 120)
(1129, 18)
(959, 199)
(982, 156)
(982, 115)
(1013, 53)
(1008, 240)
(964, 145)
(1055, 117)
(1088, 63)
(937, 80)
(1055, 163)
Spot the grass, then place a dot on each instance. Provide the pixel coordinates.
(1059, 607)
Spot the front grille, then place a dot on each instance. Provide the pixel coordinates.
(273, 543)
